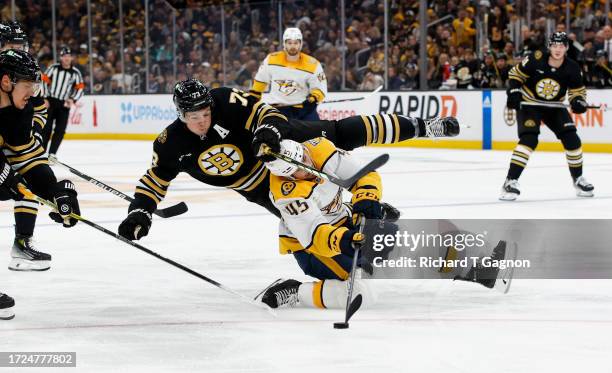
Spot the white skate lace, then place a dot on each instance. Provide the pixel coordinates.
(286, 297)
(29, 246)
(434, 127)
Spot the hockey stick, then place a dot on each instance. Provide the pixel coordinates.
(367, 95)
(344, 183)
(168, 212)
(243, 298)
(352, 305)
(562, 105)
(354, 99)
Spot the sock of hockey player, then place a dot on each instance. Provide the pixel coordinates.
(518, 162)
(333, 293)
(6, 307)
(25, 212)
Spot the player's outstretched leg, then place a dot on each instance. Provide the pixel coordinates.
(6, 307)
(318, 294)
(25, 257)
(357, 131)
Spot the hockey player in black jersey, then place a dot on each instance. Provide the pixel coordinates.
(13, 36)
(217, 131)
(546, 77)
(23, 158)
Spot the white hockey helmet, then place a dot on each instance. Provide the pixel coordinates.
(292, 33)
(291, 149)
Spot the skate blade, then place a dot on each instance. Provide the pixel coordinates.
(584, 194)
(7, 314)
(508, 197)
(504, 279)
(24, 265)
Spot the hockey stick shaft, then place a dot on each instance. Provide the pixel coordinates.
(351, 285)
(168, 212)
(562, 105)
(366, 96)
(51, 205)
(344, 183)
(355, 98)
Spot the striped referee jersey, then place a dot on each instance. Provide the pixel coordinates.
(63, 84)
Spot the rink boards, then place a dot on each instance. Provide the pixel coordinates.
(486, 122)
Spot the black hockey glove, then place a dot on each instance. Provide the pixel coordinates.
(310, 103)
(65, 198)
(349, 239)
(370, 209)
(578, 105)
(514, 98)
(136, 225)
(9, 180)
(269, 135)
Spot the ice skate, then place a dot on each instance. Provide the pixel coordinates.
(25, 257)
(281, 293)
(510, 190)
(6, 307)
(583, 187)
(442, 127)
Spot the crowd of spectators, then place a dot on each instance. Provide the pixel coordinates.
(470, 44)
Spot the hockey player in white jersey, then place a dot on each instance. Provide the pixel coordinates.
(316, 225)
(296, 80)
(316, 228)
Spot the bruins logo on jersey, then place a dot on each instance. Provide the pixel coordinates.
(287, 87)
(221, 160)
(509, 116)
(537, 55)
(530, 123)
(547, 88)
(162, 137)
(1, 140)
(287, 187)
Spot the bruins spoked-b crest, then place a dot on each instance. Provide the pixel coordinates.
(221, 160)
(547, 88)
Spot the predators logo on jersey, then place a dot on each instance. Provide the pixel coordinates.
(287, 87)
(287, 187)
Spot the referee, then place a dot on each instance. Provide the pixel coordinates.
(63, 86)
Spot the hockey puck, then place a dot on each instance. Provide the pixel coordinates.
(341, 325)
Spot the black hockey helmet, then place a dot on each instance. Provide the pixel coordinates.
(65, 50)
(191, 95)
(19, 65)
(12, 32)
(558, 37)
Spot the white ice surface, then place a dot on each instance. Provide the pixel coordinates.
(123, 310)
